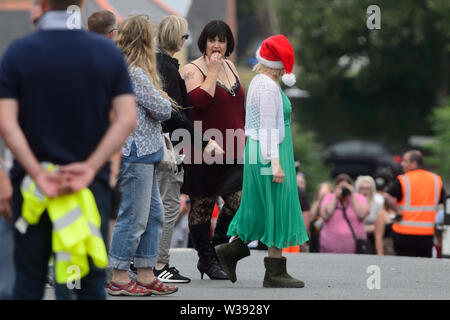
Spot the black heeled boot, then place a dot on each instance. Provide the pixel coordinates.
(220, 232)
(207, 262)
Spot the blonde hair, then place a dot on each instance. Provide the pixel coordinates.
(170, 31)
(327, 184)
(135, 39)
(260, 68)
(361, 179)
(315, 206)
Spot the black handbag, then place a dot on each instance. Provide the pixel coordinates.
(362, 246)
(314, 235)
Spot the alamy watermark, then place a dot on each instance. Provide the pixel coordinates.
(74, 280)
(374, 280)
(374, 17)
(74, 20)
(233, 143)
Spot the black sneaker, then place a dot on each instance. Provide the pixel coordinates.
(170, 274)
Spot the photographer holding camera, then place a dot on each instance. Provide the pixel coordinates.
(338, 210)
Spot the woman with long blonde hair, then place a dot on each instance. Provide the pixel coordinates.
(138, 226)
(136, 40)
(365, 185)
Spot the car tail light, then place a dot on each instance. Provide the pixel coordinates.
(397, 159)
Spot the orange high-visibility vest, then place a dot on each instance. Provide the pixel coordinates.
(291, 249)
(421, 191)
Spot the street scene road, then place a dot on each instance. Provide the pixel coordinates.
(326, 277)
(317, 130)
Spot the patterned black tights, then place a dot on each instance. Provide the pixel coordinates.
(202, 207)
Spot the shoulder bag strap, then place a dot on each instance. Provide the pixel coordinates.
(348, 221)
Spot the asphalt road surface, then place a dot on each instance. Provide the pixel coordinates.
(326, 277)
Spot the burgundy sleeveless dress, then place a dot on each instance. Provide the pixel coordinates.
(225, 111)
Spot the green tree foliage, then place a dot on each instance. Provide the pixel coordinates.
(440, 148)
(369, 83)
(309, 151)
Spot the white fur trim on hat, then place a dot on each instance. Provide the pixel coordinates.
(268, 63)
(289, 79)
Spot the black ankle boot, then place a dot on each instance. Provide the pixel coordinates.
(212, 268)
(207, 262)
(220, 232)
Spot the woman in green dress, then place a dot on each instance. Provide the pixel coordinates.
(270, 209)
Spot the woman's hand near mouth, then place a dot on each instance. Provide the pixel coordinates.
(214, 63)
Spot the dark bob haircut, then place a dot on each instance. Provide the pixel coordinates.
(213, 29)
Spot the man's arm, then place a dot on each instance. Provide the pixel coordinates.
(392, 204)
(16, 141)
(391, 194)
(326, 211)
(80, 175)
(443, 195)
(362, 209)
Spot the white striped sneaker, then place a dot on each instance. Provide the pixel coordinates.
(170, 275)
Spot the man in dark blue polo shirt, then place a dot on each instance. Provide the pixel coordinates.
(57, 88)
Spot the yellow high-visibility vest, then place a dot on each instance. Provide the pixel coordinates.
(76, 228)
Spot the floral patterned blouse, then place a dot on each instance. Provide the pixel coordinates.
(152, 109)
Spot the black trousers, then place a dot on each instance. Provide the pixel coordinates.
(412, 245)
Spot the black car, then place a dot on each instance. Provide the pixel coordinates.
(361, 157)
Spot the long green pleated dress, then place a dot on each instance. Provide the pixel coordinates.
(270, 212)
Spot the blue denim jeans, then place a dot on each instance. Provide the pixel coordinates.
(33, 249)
(7, 272)
(138, 226)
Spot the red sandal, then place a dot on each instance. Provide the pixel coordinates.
(129, 289)
(159, 288)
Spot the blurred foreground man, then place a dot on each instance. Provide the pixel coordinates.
(54, 111)
(417, 194)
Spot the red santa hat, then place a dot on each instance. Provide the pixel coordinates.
(277, 53)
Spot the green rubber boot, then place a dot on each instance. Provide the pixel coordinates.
(229, 254)
(276, 275)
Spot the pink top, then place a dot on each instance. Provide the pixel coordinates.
(335, 236)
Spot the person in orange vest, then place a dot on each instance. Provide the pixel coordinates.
(415, 196)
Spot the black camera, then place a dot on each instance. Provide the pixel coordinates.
(345, 191)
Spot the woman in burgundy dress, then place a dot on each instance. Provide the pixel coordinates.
(217, 98)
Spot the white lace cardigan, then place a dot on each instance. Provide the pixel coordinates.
(264, 115)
